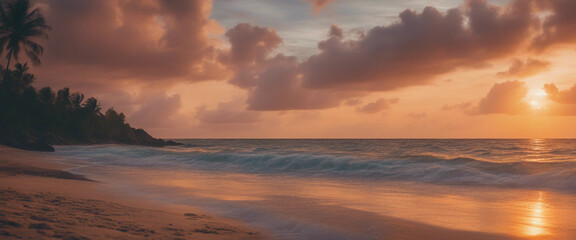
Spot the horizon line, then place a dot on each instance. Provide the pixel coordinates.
(422, 138)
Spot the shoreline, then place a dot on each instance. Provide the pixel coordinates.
(38, 199)
(41, 200)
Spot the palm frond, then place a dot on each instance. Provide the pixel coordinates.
(33, 14)
(37, 21)
(31, 32)
(15, 51)
(33, 57)
(34, 47)
(18, 25)
(6, 21)
(3, 41)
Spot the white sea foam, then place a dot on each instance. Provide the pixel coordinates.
(557, 172)
(320, 189)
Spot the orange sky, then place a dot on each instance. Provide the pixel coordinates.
(321, 69)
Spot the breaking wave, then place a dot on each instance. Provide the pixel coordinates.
(416, 168)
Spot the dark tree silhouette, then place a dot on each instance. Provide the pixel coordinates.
(21, 75)
(19, 25)
(31, 119)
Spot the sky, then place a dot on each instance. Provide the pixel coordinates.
(321, 68)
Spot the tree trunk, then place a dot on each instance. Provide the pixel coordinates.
(9, 58)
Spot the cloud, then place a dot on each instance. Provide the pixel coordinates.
(527, 68)
(150, 40)
(558, 26)
(227, 113)
(561, 102)
(566, 96)
(377, 106)
(336, 32)
(250, 44)
(462, 107)
(503, 98)
(156, 110)
(280, 88)
(111, 45)
(353, 102)
(318, 4)
(420, 46)
(407, 53)
(274, 83)
(417, 115)
(250, 48)
(510, 98)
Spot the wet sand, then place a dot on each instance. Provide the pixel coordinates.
(38, 200)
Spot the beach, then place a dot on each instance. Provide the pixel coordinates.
(288, 120)
(38, 200)
(248, 189)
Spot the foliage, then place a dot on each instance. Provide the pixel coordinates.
(19, 25)
(61, 117)
(32, 119)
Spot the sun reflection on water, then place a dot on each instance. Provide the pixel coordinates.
(536, 223)
(537, 144)
(538, 149)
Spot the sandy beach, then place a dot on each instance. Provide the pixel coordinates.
(38, 200)
(288, 120)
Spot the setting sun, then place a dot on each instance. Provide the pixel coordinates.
(536, 99)
(288, 119)
(540, 92)
(535, 105)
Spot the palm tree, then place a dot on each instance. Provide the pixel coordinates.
(24, 78)
(92, 106)
(19, 24)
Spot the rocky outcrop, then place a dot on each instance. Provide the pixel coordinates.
(32, 142)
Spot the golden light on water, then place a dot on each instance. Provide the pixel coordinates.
(536, 223)
(527, 214)
(537, 145)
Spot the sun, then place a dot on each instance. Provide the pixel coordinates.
(540, 92)
(538, 98)
(536, 105)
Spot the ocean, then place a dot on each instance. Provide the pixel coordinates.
(349, 188)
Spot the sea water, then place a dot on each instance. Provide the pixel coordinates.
(350, 188)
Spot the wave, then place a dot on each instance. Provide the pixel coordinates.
(416, 168)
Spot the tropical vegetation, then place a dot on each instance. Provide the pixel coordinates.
(32, 119)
